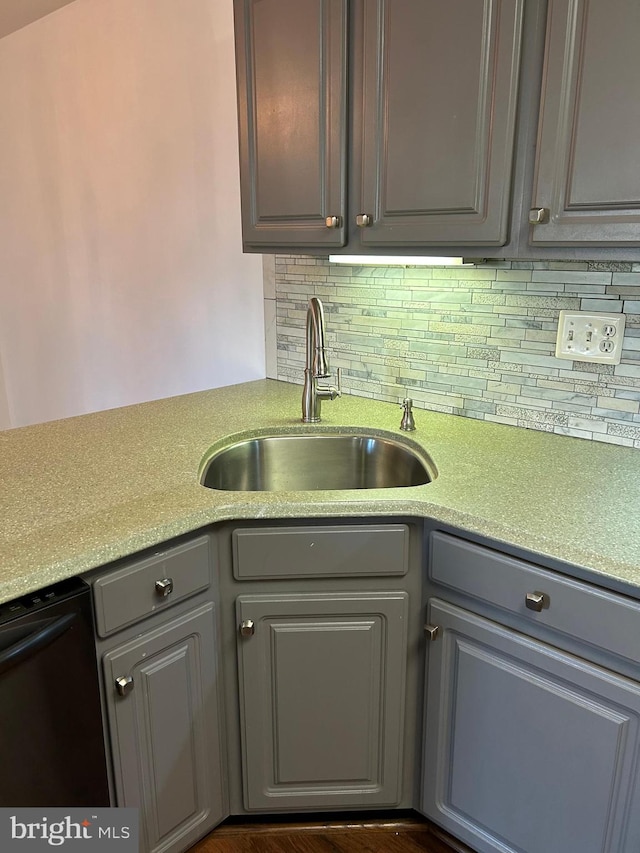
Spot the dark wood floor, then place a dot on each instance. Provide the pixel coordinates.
(410, 834)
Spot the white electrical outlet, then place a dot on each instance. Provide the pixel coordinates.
(590, 337)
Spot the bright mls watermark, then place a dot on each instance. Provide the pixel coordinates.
(69, 830)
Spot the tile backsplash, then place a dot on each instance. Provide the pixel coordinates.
(472, 341)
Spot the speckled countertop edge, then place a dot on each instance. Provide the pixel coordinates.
(83, 492)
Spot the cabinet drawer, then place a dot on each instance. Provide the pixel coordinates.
(290, 552)
(122, 596)
(602, 619)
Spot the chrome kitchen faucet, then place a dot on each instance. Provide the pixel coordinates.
(316, 366)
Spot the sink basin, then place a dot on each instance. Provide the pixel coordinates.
(312, 461)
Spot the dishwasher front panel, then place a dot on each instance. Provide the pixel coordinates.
(52, 749)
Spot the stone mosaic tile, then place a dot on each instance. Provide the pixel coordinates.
(569, 275)
(624, 430)
(514, 275)
(626, 279)
(479, 342)
(580, 289)
(605, 303)
(610, 266)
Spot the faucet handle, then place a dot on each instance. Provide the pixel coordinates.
(407, 423)
(334, 391)
(330, 392)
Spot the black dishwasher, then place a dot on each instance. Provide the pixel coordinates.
(51, 741)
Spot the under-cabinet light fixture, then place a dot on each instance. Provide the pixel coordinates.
(403, 261)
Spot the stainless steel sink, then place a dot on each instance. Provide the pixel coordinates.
(312, 461)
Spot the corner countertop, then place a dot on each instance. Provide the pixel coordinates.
(81, 492)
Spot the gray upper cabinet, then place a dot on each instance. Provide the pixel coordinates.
(587, 178)
(291, 59)
(407, 126)
(439, 93)
(434, 91)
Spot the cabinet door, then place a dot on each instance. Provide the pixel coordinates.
(527, 749)
(165, 730)
(587, 176)
(292, 102)
(440, 83)
(322, 683)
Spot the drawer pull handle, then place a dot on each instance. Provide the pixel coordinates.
(124, 684)
(333, 222)
(247, 628)
(164, 587)
(537, 601)
(364, 220)
(432, 631)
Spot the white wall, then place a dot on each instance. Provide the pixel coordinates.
(122, 277)
(18, 13)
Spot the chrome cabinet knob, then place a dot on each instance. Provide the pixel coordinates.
(124, 684)
(333, 221)
(536, 601)
(432, 631)
(247, 628)
(364, 220)
(164, 586)
(538, 215)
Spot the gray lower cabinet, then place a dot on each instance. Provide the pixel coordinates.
(532, 725)
(322, 699)
(531, 736)
(158, 644)
(162, 706)
(587, 181)
(528, 749)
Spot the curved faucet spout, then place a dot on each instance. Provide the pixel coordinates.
(316, 365)
(316, 354)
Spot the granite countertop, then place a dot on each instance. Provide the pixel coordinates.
(82, 492)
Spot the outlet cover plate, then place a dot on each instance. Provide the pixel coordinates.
(585, 336)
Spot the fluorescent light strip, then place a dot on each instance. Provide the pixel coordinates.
(400, 261)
